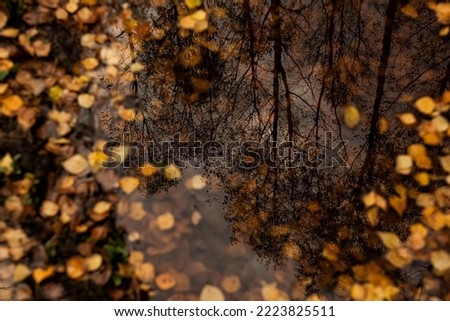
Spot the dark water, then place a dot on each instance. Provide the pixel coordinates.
(256, 106)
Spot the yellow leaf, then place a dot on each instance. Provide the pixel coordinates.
(358, 292)
(67, 182)
(137, 211)
(88, 40)
(110, 55)
(136, 258)
(166, 221)
(76, 267)
(423, 162)
(41, 49)
(129, 184)
(199, 15)
(10, 105)
(49, 209)
(10, 32)
(390, 292)
(196, 218)
(127, 114)
(442, 11)
(331, 252)
(407, 119)
(270, 292)
(21, 272)
(94, 262)
(3, 19)
(422, 178)
(13, 204)
(373, 216)
(415, 242)
(6, 64)
(383, 126)
(416, 150)
(399, 257)
(172, 173)
(86, 15)
(145, 272)
(445, 163)
(352, 116)
(3, 88)
(444, 31)
(96, 159)
(404, 164)
(440, 123)
(381, 202)
(197, 182)
(230, 284)
(432, 139)
(425, 200)
(102, 207)
(61, 14)
(148, 170)
(409, 11)
(390, 240)
(7, 164)
(418, 228)
(165, 281)
(71, 7)
(425, 105)
(90, 63)
(55, 93)
(136, 67)
(192, 4)
(434, 218)
(86, 100)
(440, 260)
(398, 204)
(134, 236)
(76, 165)
(211, 293)
(40, 274)
(187, 22)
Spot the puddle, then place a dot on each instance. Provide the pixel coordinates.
(259, 106)
(289, 111)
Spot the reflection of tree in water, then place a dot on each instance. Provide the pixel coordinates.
(272, 72)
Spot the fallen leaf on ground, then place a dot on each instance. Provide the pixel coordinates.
(76, 165)
(40, 274)
(21, 272)
(440, 260)
(145, 272)
(166, 221)
(390, 240)
(399, 257)
(172, 173)
(7, 164)
(404, 164)
(211, 293)
(76, 267)
(129, 184)
(231, 284)
(86, 100)
(94, 262)
(49, 209)
(270, 292)
(137, 211)
(165, 281)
